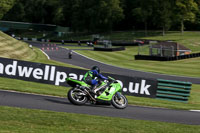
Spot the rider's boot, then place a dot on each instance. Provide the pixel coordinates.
(93, 89)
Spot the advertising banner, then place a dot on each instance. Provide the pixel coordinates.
(56, 75)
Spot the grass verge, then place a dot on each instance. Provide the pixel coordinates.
(36, 121)
(12, 48)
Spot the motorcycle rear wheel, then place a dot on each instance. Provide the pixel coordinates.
(76, 96)
(121, 103)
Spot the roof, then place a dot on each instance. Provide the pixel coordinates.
(169, 45)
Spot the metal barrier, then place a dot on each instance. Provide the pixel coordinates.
(159, 58)
(173, 90)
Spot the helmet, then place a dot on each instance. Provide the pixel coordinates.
(96, 68)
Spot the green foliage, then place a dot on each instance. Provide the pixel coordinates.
(93, 15)
(36, 11)
(5, 6)
(105, 15)
(16, 13)
(144, 11)
(162, 17)
(185, 11)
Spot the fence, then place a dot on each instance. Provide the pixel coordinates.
(173, 90)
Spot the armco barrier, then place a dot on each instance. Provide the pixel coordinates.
(159, 58)
(109, 49)
(173, 90)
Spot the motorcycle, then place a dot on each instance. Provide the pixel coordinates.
(108, 93)
(70, 55)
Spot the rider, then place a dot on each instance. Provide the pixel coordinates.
(70, 54)
(90, 78)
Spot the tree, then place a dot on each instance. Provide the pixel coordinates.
(107, 13)
(197, 21)
(16, 13)
(36, 11)
(144, 12)
(185, 11)
(5, 6)
(93, 15)
(162, 14)
(104, 15)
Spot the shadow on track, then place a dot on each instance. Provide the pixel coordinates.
(86, 105)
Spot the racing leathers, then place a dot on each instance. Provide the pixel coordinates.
(91, 78)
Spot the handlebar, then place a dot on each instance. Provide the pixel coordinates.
(110, 79)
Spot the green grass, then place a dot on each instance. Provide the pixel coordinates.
(125, 59)
(12, 48)
(15, 120)
(32, 87)
(78, 48)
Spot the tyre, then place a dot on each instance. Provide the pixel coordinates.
(119, 101)
(77, 96)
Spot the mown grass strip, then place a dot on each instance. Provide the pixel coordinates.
(186, 67)
(125, 59)
(36, 121)
(12, 48)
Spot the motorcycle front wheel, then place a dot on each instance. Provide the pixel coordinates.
(119, 101)
(77, 96)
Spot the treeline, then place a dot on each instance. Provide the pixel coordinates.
(106, 15)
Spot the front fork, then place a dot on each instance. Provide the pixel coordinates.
(118, 95)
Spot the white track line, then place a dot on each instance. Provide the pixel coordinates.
(67, 63)
(132, 69)
(45, 54)
(195, 111)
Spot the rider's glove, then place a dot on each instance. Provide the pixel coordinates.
(110, 80)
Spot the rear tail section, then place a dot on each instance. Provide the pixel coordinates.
(74, 82)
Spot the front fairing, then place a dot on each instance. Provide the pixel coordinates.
(110, 91)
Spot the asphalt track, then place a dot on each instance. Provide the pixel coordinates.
(78, 60)
(57, 104)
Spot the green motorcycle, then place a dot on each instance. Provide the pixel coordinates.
(109, 92)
